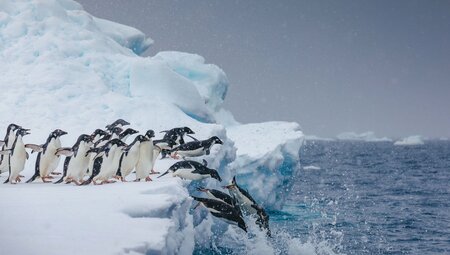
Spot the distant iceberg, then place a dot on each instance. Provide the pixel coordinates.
(365, 137)
(317, 138)
(410, 140)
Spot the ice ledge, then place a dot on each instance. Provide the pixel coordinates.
(267, 158)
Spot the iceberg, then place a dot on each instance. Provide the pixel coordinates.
(64, 68)
(410, 140)
(365, 137)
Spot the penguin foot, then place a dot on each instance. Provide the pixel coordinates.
(175, 156)
(49, 177)
(21, 176)
(148, 179)
(137, 180)
(18, 179)
(44, 179)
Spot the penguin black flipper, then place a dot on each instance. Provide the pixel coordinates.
(37, 169)
(95, 170)
(65, 167)
(195, 139)
(119, 169)
(34, 147)
(66, 151)
(9, 170)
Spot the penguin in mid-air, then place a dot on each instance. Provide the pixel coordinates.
(6, 144)
(196, 148)
(148, 152)
(248, 205)
(47, 159)
(244, 199)
(176, 135)
(106, 162)
(130, 157)
(218, 195)
(118, 123)
(192, 170)
(76, 161)
(17, 156)
(228, 213)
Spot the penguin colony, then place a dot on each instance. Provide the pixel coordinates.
(104, 157)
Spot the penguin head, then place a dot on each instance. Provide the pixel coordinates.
(129, 131)
(117, 123)
(99, 132)
(85, 138)
(13, 127)
(150, 133)
(214, 174)
(117, 142)
(216, 139)
(187, 130)
(57, 133)
(232, 185)
(141, 138)
(22, 132)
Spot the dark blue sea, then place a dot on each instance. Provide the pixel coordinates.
(371, 198)
(363, 198)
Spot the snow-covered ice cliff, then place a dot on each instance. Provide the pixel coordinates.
(63, 68)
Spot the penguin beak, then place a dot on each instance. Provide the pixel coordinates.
(228, 186)
(201, 189)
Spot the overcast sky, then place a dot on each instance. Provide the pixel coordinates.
(332, 66)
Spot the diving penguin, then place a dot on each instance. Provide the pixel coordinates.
(192, 170)
(196, 148)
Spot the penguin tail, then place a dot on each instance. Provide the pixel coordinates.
(163, 174)
(32, 178)
(7, 180)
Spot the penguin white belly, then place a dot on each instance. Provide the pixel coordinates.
(145, 162)
(192, 153)
(17, 160)
(245, 203)
(129, 162)
(77, 167)
(49, 161)
(187, 174)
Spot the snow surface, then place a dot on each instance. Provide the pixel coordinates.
(410, 140)
(366, 137)
(63, 68)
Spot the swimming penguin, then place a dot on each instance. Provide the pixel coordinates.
(218, 195)
(110, 157)
(192, 170)
(228, 213)
(245, 200)
(17, 157)
(125, 134)
(76, 161)
(148, 152)
(7, 143)
(196, 148)
(176, 135)
(118, 123)
(130, 157)
(47, 160)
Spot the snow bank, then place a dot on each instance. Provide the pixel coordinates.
(317, 138)
(366, 137)
(267, 159)
(410, 140)
(63, 68)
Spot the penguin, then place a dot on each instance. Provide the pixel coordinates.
(176, 135)
(196, 148)
(98, 134)
(17, 157)
(148, 152)
(192, 170)
(218, 195)
(244, 199)
(10, 136)
(118, 123)
(107, 162)
(130, 157)
(228, 213)
(262, 219)
(164, 144)
(127, 133)
(116, 131)
(76, 161)
(47, 160)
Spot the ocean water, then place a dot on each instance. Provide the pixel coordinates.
(361, 198)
